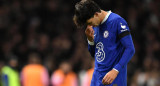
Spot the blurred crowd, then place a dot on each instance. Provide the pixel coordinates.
(41, 46)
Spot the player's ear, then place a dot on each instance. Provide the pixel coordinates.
(96, 14)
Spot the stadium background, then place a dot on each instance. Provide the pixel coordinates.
(45, 27)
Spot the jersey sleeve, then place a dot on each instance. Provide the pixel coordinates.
(91, 48)
(123, 28)
(126, 41)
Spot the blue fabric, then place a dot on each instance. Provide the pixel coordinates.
(5, 80)
(91, 49)
(109, 50)
(119, 81)
(128, 52)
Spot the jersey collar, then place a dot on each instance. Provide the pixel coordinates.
(106, 17)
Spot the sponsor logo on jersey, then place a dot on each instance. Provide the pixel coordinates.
(100, 55)
(123, 27)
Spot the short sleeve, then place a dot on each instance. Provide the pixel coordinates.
(123, 29)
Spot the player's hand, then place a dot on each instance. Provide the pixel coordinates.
(110, 77)
(89, 33)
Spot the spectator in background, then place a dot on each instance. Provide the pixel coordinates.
(10, 75)
(149, 75)
(64, 76)
(46, 26)
(1, 66)
(34, 74)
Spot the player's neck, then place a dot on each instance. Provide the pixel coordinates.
(103, 15)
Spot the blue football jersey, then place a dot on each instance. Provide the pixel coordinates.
(113, 46)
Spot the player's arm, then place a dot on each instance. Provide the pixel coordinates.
(128, 53)
(126, 40)
(90, 37)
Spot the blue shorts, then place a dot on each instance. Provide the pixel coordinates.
(121, 79)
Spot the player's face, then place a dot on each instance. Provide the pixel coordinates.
(94, 21)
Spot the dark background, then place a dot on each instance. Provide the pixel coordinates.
(45, 27)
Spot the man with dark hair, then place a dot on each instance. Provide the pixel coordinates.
(82, 14)
(109, 41)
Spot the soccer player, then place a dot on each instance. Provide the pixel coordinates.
(109, 41)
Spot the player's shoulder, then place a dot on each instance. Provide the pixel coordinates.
(115, 17)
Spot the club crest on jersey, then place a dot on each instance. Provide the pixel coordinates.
(100, 55)
(105, 34)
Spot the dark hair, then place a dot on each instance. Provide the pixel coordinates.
(84, 10)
